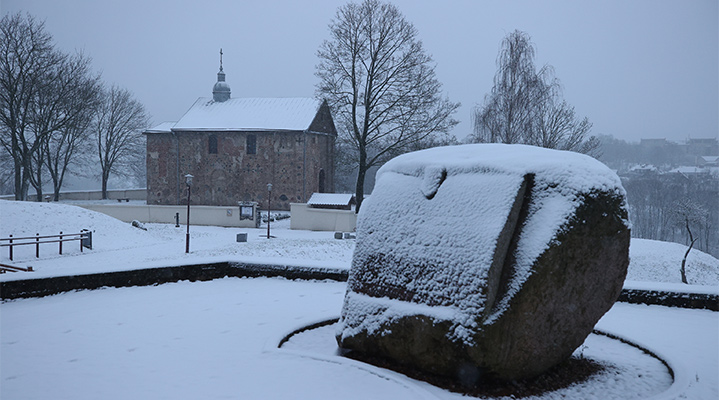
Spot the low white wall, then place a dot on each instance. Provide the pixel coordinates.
(315, 219)
(199, 215)
(132, 194)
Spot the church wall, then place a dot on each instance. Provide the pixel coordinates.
(161, 162)
(232, 175)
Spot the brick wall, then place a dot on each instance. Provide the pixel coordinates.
(290, 160)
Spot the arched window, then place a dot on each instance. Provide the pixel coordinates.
(251, 144)
(212, 144)
(322, 181)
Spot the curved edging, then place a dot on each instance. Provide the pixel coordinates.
(681, 378)
(204, 272)
(155, 276)
(306, 328)
(671, 299)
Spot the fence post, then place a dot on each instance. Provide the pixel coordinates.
(60, 243)
(37, 245)
(10, 247)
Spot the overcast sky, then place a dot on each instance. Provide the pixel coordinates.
(636, 68)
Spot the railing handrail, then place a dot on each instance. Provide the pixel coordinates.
(84, 237)
(44, 241)
(81, 234)
(12, 268)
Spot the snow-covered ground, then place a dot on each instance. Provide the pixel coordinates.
(218, 339)
(119, 246)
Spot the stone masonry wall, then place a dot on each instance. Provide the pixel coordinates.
(290, 160)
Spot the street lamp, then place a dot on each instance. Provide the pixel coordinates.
(269, 199)
(188, 181)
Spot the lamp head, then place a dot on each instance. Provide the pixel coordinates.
(188, 179)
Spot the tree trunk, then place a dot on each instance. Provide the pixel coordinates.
(38, 187)
(362, 171)
(18, 181)
(25, 185)
(38, 192)
(684, 263)
(105, 177)
(683, 270)
(56, 189)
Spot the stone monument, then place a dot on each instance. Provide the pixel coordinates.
(485, 260)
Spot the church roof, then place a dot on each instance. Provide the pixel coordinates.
(164, 127)
(246, 114)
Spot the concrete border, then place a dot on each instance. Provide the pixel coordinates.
(155, 276)
(671, 299)
(204, 272)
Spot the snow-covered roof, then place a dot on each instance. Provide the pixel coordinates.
(643, 167)
(164, 127)
(688, 170)
(250, 114)
(330, 199)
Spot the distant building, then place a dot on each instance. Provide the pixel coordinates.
(703, 147)
(707, 161)
(235, 147)
(653, 142)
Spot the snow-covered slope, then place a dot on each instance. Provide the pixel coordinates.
(657, 261)
(25, 219)
(118, 245)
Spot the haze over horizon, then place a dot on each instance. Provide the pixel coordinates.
(639, 69)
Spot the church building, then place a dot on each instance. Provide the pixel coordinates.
(235, 147)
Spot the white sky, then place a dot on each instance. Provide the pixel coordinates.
(637, 69)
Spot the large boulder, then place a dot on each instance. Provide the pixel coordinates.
(485, 260)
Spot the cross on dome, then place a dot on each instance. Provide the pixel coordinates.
(221, 90)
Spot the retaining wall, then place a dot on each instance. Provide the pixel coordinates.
(204, 272)
(155, 276)
(227, 216)
(131, 194)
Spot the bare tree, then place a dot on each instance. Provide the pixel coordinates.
(26, 56)
(63, 107)
(689, 214)
(380, 84)
(118, 125)
(66, 145)
(526, 106)
(518, 93)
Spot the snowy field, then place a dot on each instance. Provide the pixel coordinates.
(219, 339)
(119, 246)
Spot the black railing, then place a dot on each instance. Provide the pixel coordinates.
(11, 268)
(84, 237)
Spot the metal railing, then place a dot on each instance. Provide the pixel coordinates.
(11, 268)
(84, 237)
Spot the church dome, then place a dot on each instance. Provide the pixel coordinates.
(221, 90)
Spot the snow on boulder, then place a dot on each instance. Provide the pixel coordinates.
(485, 259)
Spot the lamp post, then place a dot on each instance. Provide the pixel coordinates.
(269, 199)
(188, 181)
